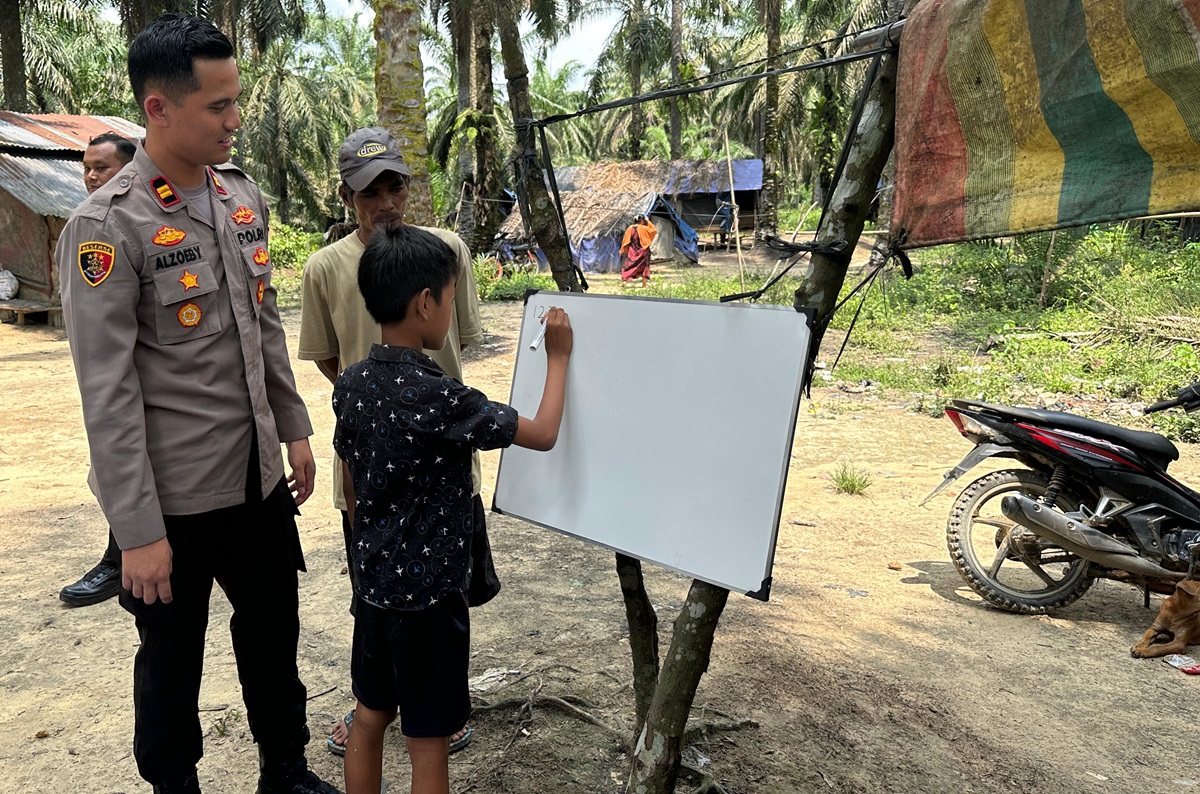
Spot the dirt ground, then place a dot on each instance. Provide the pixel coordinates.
(859, 678)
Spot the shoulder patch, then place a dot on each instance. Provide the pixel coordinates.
(221, 191)
(96, 261)
(163, 191)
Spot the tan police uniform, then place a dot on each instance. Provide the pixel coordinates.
(178, 347)
(187, 393)
(335, 323)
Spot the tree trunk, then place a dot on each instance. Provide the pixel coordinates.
(768, 203)
(676, 77)
(637, 113)
(284, 207)
(643, 635)
(400, 96)
(870, 147)
(137, 14)
(486, 188)
(657, 755)
(544, 220)
(12, 47)
(460, 36)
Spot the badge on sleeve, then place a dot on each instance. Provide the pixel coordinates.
(261, 257)
(189, 316)
(243, 216)
(261, 289)
(96, 261)
(168, 235)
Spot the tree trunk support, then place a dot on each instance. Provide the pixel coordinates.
(658, 753)
(643, 635)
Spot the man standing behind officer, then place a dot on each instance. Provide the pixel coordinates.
(187, 394)
(336, 330)
(105, 155)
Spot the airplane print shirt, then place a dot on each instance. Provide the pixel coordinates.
(407, 430)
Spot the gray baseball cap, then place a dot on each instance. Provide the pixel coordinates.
(366, 154)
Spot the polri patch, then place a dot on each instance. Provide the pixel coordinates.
(168, 235)
(96, 261)
(243, 216)
(189, 280)
(189, 316)
(164, 192)
(261, 257)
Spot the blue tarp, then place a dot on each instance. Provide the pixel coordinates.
(601, 253)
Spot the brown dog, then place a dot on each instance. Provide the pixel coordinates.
(1177, 624)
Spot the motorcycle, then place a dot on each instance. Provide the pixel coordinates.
(1094, 501)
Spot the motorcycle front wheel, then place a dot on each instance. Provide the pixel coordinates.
(1006, 564)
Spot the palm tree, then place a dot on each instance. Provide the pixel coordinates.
(252, 24)
(639, 46)
(400, 95)
(69, 61)
(12, 56)
(301, 111)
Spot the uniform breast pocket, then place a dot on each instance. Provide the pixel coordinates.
(187, 303)
(258, 262)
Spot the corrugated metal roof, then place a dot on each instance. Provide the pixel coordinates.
(59, 132)
(48, 186)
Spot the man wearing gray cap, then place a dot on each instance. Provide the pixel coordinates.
(337, 331)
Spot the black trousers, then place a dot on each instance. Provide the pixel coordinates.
(112, 554)
(253, 552)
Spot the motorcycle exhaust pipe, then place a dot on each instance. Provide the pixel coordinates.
(1080, 539)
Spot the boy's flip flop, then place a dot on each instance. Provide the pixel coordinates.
(334, 747)
(461, 741)
(340, 749)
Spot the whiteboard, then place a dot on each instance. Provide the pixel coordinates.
(676, 433)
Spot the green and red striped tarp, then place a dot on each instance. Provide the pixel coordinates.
(1025, 115)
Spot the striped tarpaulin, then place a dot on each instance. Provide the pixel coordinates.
(1026, 115)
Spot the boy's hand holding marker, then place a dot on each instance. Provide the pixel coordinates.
(541, 432)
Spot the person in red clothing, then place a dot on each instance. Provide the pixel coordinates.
(635, 250)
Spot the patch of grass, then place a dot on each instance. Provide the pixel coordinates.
(848, 479)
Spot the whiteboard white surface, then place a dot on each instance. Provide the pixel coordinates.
(676, 432)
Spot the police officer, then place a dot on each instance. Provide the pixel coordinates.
(105, 155)
(187, 394)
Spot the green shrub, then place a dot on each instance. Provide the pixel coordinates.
(291, 247)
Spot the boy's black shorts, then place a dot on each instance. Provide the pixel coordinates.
(415, 662)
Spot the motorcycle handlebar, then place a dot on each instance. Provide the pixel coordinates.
(1162, 406)
(1188, 397)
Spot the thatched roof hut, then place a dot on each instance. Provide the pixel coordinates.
(682, 197)
(597, 218)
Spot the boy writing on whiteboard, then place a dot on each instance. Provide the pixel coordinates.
(405, 432)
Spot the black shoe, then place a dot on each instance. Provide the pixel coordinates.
(189, 785)
(99, 584)
(291, 777)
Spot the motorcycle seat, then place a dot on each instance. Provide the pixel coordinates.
(1158, 450)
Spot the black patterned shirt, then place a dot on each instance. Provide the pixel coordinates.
(406, 430)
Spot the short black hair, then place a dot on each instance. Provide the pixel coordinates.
(163, 54)
(126, 148)
(397, 264)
